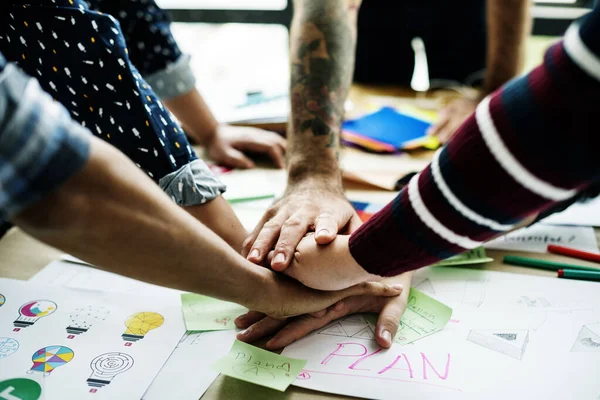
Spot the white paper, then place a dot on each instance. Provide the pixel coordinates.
(583, 214)
(194, 354)
(187, 374)
(510, 336)
(86, 277)
(536, 239)
(118, 342)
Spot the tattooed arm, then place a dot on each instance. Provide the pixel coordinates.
(323, 39)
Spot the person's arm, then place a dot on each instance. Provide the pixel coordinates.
(508, 25)
(323, 36)
(75, 192)
(491, 177)
(154, 51)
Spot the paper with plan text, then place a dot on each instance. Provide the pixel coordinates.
(259, 366)
(203, 313)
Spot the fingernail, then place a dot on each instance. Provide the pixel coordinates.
(387, 336)
(279, 258)
(398, 286)
(322, 232)
(255, 253)
(270, 344)
(243, 333)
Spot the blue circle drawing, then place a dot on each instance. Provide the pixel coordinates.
(8, 346)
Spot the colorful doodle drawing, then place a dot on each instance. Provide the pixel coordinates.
(31, 311)
(139, 324)
(8, 346)
(47, 359)
(2, 299)
(108, 365)
(83, 318)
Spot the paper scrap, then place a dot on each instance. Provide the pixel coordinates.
(581, 213)
(258, 366)
(536, 239)
(424, 315)
(475, 256)
(203, 313)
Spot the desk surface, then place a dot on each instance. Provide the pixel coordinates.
(22, 257)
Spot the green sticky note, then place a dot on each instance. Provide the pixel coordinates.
(475, 256)
(424, 315)
(258, 366)
(203, 313)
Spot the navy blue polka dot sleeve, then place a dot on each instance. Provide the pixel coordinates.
(81, 58)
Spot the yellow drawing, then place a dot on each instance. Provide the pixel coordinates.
(139, 324)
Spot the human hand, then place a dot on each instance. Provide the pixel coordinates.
(329, 267)
(227, 145)
(284, 297)
(452, 116)
(306, 206)
(390, 309)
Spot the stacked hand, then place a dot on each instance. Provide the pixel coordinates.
(256, 325)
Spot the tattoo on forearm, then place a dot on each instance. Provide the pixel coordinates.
(322, 65)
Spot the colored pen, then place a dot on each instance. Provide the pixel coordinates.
(543, 264)
(567, 251)
(579, 274)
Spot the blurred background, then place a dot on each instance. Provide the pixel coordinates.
(229, 38)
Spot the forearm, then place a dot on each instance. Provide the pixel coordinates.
(113, 216)
(508, 24)
(491, 177)
(195, 116)
(323, 37)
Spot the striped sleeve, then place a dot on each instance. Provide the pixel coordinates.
(530, 145)
(40, 146)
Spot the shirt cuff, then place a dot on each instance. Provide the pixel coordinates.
(176, 79)
(192, 184)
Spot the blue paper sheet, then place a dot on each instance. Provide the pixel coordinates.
(388, 126)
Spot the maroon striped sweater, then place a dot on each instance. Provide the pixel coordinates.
(531, 144)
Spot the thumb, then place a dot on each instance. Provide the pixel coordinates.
(236, 159)
(388, 321)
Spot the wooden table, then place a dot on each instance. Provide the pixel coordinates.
(21, 257)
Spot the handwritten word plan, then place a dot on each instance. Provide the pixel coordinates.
(259, 366)
(85, 344)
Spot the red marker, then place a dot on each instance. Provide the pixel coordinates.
(566, 251)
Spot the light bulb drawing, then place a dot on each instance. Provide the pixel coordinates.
(31, 311)
(2, 299)
(108, 365)
(8, 346)
(48, 358)
(83, 318)
(139, 324)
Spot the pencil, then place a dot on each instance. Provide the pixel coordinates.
(569, 252)
(579, 274)
(543, 264)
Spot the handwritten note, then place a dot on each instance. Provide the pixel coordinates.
(259, 366)
(203, 313)
(475, 256)
(424, 315)
(536, 238)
